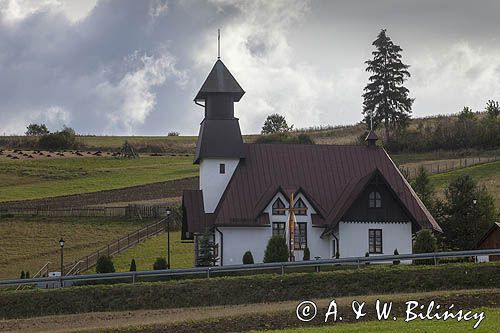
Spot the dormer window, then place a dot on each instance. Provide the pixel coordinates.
(278, 207)
(222, 168)
(374, 200)
(300, 204)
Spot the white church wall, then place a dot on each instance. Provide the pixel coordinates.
(238, 240)
(353, 238)
(212, 182)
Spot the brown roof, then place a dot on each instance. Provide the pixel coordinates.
(193, 213)
(331, 178)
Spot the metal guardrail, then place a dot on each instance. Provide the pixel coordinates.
(255, 267)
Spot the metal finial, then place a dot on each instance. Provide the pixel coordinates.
(218, 43)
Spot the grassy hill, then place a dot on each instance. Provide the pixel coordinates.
(33, 179)
(28, 243)
(487, 174)
(181, 254)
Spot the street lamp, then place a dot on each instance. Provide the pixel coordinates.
(61, 243)
(168, 237)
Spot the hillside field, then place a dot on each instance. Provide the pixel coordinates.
(33, 179)
(487, 174)
(28, 243)
(145, 253)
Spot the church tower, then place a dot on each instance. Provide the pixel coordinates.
(220, 145)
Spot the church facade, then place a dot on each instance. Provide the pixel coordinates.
(349, 200)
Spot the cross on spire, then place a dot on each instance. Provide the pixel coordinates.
(218, 43)
(291, 224)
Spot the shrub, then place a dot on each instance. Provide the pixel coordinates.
(275, 123)
(65, 139)
(36, 129)
(133, 267)
(23, 275)
(285, 137)
(276, 250)
(367, 254)
(248, 258)
(396, 262)
(307, 254)
(104, 265)
(173, 133)
(425, 242)
(160, 263)
(337, 255)
(27, 274)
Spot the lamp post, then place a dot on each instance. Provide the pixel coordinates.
(61, 243)
(168, 237)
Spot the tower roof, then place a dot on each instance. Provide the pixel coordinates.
(371, 136)
(220, 80)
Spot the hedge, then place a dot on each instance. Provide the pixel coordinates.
(373, 279)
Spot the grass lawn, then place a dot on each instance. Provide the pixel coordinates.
(35, 179)
(145, 253)
(28, 243)
(491, 323)
(487, 174)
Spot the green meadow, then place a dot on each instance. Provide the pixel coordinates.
(34, 179)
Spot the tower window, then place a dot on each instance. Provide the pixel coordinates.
(374, 200)
(222, 168)
(300, 204)
(278, 207)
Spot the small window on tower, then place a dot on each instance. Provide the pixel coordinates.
(222, 168)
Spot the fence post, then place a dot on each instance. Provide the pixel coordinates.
(208, 272)
(282, 270)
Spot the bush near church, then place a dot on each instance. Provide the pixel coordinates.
(104, 265)
(276, 250)
(425, 242)
(307, 254)
(248, 258)
(160, 263)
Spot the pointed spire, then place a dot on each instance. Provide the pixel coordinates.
(220, 80)
(371, 138)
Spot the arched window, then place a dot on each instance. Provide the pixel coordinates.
(374, 200)
(278, 207)
(300, 204)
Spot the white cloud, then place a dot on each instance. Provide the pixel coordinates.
(75, 10)
(131, 99)
(462, 76)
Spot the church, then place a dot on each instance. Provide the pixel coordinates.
(335, 200)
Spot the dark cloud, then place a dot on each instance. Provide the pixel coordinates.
(126, 66)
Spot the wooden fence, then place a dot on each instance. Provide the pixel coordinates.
(141, 211)
(118, 246)
(411, 169)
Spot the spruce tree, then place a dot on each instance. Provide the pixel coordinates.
(468, 213)
(423, 187)
(276, 250)
(385, 97)
(206, 250)
(133, 266)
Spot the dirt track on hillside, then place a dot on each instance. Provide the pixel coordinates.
(231, 317)
(154, 191)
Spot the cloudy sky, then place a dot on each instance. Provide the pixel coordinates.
(133, 67)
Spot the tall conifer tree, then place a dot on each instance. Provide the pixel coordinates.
(385, 97)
